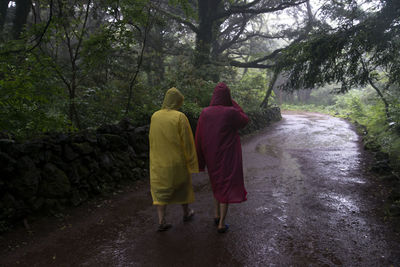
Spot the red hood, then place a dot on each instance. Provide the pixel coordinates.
(221, 96)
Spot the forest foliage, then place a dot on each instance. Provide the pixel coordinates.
(71, 65)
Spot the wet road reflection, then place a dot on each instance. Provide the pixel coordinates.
(309, 204)
(315, 194)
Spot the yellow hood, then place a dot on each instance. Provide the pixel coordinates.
(173, 99)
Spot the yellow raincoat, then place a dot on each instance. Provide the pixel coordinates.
(172, 153)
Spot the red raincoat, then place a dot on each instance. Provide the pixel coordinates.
(218, 145)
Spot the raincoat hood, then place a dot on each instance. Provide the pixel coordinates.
(221, 96)
(173, 99)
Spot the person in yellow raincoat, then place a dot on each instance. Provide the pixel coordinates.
(173, 158)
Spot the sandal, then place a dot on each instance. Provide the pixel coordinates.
(188, 217)
(223, 230)
(164, 227)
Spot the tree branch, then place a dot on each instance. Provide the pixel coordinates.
(40, 37)
(83, 31)
(239, 64)
(243, 9)
(139, 63)
(45, 28)
(228, 44)
(177, 18)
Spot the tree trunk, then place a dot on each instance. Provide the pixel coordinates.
(205, 37)
(155, 67)
(382, 98)
(21, 15)
(264, 103)
(3, 13)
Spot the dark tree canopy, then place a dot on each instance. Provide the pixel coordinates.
(348, 54)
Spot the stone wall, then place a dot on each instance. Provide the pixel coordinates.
(59, 170)
(259, 120)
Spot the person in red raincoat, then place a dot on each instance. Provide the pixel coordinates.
(218, 147)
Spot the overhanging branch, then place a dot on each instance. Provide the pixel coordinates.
(239, 64)
(245, 9)
(177, 18)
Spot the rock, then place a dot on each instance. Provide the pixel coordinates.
(82, 148)
(25, 164)
(45, 155)
(108, 129)
(60, 138)
(78, 197)
(121, 157)
(6, 144)
(107, 178)
(143, 130)
(77, 172)
(11, 208)
(53, 206)
(112, 142)
(69, 153)
(55, 148)
(7, 165)
(116, 175)
(132, 154)
(80, 137)
(26, 184)
(106, 161)
(36, 203)
(136, 173)
(94, 185)
(55, 182)
(131, 138)
(32, 148)
(91, 163)
(126, 125)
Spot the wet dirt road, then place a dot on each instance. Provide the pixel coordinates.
(310, 203)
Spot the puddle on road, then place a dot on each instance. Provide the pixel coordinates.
(268, 150)
(340, 203)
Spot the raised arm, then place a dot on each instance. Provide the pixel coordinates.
(241, 119)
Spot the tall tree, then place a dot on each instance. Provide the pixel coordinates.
(23, 8)
(3, 12)
(220, 24)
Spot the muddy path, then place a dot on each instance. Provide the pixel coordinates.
(311, 202)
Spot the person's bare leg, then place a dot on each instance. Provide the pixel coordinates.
(186, 210)
(161, 211)
(216, 209)
(187, 213)
(223, 212)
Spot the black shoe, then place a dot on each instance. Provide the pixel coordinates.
(188, 217)
(164, 227)
(223, 230)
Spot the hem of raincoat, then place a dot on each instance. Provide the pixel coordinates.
(230, 201)
(172, 202)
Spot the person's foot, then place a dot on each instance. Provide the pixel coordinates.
(223, 229)
(188, 217)
(164, 227)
